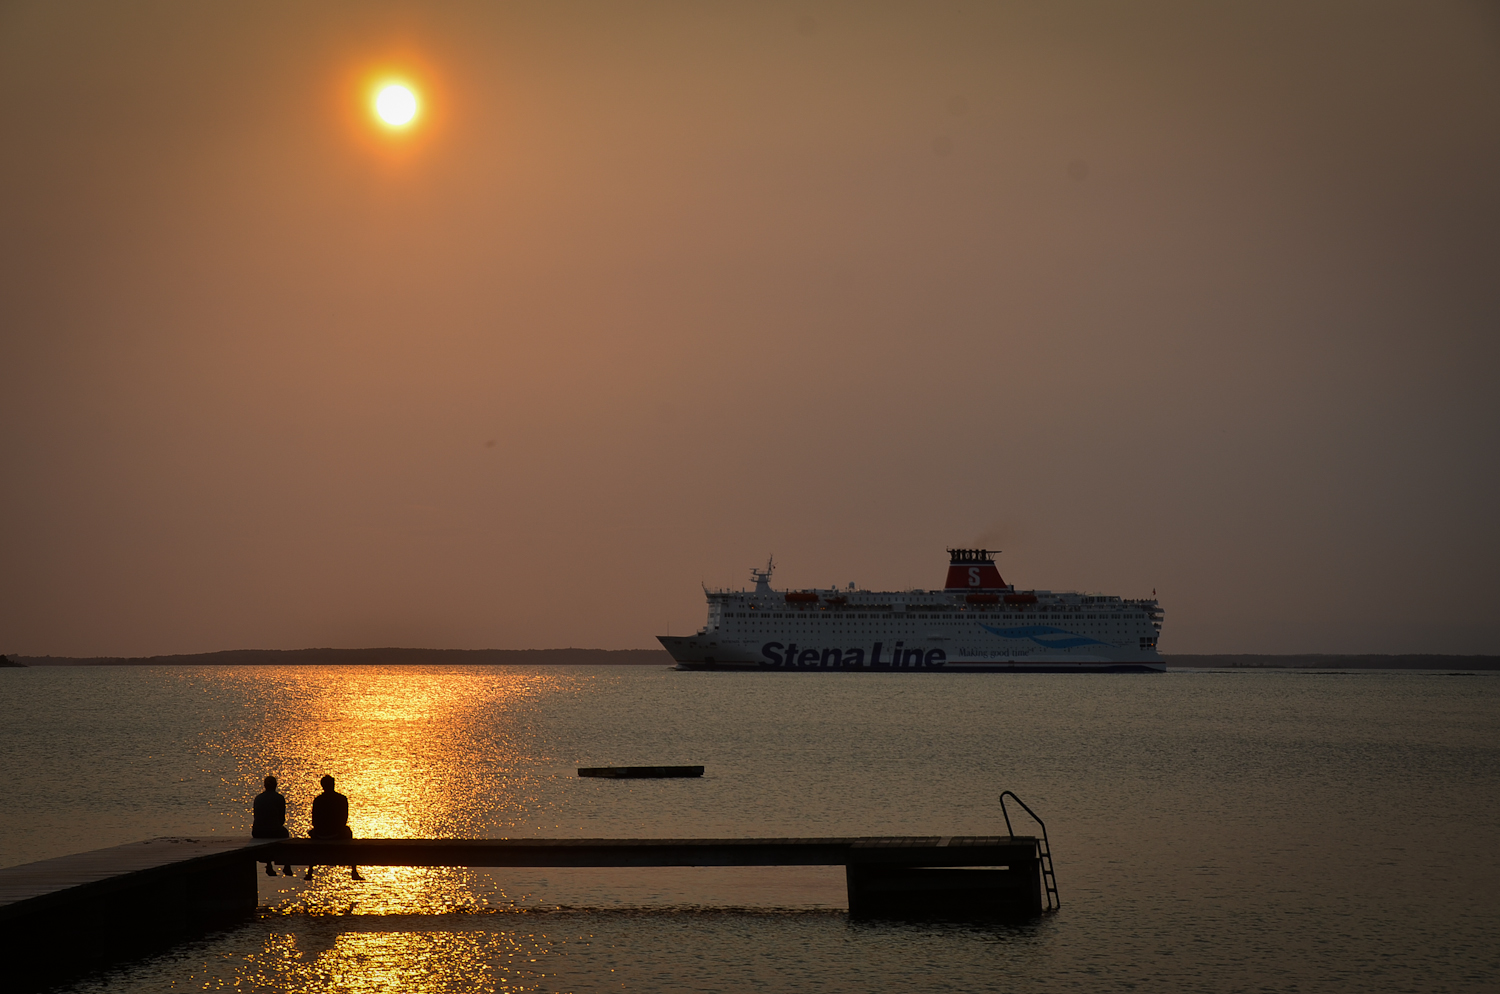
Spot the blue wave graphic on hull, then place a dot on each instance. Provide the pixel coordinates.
(1034, 632)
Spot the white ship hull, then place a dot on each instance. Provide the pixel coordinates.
(975, 624)
(697, 652)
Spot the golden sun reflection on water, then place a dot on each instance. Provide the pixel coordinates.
(421, 753)
(397, 960)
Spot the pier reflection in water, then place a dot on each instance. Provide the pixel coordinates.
(324, 956)
(666, 950)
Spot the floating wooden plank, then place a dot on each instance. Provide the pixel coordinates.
(640, 772)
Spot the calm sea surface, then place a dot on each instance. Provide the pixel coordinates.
(1213, 831)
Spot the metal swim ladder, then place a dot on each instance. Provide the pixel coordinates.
(1043, 848)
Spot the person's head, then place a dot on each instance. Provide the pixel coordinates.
(270, 783)
(327, 782)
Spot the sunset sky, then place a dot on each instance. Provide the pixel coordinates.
(1200, 298)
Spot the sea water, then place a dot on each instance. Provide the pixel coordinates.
(1212, 830)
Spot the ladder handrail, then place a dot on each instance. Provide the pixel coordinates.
(1012, 795)
(1045, 849)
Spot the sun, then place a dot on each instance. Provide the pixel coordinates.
(396, 105)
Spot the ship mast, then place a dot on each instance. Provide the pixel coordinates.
(762, 577)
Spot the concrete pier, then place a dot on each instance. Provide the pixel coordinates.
(74, 913)
(64, 916)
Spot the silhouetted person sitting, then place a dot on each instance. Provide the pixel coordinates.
(270, 821)
(330, 820)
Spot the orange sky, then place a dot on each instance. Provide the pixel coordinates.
(1152, 295)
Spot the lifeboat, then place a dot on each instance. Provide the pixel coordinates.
(801, 597)
(1020, 598)
(985, 598)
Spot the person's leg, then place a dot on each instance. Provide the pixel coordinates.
(286, 870)
(270, 869)
(353, 870)
(309, 875)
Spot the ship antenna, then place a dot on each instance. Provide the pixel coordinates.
(762, 577)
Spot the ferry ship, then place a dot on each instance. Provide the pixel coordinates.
(976, 623)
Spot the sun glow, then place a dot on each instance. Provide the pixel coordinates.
(396, 105)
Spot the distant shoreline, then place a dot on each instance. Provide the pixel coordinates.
(659, 657)
(1333, 661)
(372, 657)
